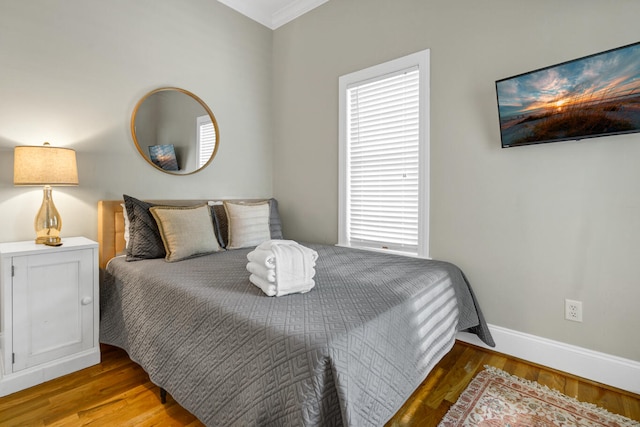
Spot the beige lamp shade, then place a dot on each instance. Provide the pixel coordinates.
(44, 165)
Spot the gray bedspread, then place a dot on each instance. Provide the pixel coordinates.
(350, 352)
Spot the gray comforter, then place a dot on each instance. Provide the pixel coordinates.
(350, 352)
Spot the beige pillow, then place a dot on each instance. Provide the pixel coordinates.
(186, 231)
(248, 224)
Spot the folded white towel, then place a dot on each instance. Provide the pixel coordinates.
(268, 244)
(292, 264)
(271, 289)
(269, 274)
(262, 257)
(266, 286)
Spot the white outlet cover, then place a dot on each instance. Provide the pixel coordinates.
(573, 310)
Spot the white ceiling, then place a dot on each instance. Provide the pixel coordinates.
(273, 13)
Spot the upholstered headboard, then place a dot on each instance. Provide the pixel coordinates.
(111, 224)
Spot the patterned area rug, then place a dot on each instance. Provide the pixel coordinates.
(496, 399)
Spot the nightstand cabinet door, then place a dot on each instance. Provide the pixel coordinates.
(53, 310)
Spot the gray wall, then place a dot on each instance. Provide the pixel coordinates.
(530, 226)
(71, 72)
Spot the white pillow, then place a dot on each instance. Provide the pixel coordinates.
(248, 224)
(127, 224)
(186, 231)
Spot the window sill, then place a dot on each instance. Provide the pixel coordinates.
(383, 251)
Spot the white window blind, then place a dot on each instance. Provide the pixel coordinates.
(206, 139)
(384, 162)
(383, 122)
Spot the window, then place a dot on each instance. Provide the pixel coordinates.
(384, 156)
(206, 136)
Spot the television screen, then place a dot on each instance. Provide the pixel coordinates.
(593, 96)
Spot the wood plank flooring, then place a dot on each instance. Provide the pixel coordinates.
(431, 401)
(117, 392)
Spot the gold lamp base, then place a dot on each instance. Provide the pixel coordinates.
(48, 222)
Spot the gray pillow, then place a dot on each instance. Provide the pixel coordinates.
(145, 241)
(221, 224)
(275, 225)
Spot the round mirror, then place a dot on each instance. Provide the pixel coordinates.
(174, 131)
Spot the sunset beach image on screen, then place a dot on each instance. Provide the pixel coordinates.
(597, 95)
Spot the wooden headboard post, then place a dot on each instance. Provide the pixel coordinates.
(110, 230)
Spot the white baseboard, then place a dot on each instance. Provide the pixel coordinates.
(603, 368)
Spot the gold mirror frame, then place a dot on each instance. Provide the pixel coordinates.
(146, 156)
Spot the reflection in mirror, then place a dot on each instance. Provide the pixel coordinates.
(175, 131)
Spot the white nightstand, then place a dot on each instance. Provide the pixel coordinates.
(48, 311)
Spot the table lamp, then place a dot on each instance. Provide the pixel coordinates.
(48, 166)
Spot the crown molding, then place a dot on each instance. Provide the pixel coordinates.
(265, 12)
(294, 10)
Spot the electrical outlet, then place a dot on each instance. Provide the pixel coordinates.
(573, 310)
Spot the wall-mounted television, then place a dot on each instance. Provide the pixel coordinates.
(593, 96)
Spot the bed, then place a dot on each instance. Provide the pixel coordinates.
(348, 353)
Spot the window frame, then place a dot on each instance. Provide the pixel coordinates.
(421, 60)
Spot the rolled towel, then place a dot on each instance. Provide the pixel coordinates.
(263, 257)
(269, 274)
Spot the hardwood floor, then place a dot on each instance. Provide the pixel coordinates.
(431, 401)
(118, 392)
